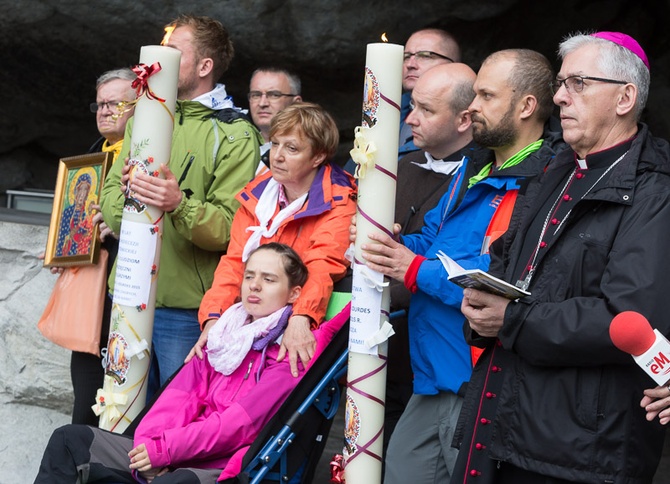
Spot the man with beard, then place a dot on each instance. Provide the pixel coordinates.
(511, 106)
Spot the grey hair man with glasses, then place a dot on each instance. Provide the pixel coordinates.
(113, 107)
(271, 89)
(552, 400)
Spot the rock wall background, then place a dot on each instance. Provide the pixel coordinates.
(35, 389)
(52, 52)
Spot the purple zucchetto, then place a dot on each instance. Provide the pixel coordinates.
(625, 41)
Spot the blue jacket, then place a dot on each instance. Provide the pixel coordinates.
(440, 356)
(408, 146)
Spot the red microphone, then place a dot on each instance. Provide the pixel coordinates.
(632, 333)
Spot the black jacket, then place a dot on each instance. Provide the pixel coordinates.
(553, 395)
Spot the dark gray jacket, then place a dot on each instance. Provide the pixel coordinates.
(553, 395)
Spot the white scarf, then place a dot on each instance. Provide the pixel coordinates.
(216, 99)
(265, 208)
(440, 166)
(231, 337)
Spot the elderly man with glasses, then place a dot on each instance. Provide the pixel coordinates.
(552, 400)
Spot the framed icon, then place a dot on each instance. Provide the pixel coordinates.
(73, 237)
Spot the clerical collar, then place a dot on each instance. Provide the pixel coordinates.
(445, 167)
(605, 157)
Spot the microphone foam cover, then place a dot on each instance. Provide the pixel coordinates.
(632, 333)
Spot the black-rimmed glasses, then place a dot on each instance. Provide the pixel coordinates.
(425, 55)
(575, 84)
(271, 95)
(118, 105)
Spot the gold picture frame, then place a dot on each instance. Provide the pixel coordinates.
(73, 237)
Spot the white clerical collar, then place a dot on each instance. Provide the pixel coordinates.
(582, 164)
(444, 167)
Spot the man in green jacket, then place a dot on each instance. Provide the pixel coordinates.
(215, 152)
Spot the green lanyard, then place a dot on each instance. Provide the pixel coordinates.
(512, 161)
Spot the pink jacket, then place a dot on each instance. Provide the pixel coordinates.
(207, 420)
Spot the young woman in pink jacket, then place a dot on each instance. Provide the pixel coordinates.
(199, 428)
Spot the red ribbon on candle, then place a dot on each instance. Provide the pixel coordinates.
(141, 84)
(337, 470)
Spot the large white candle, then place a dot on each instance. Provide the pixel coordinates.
(129, 346)
(376, 152)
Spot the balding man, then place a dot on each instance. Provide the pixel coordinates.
(441, 128)
(553, 400)
(511, 106)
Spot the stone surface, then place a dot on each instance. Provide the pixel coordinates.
(35, 389)
(53, 52)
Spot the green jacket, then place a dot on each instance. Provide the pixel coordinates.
(213, 161)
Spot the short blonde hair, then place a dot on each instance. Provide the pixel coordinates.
(314, 123)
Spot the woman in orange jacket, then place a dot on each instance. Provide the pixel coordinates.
(304, 202)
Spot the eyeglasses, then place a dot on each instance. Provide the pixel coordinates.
(118, 105)
(271, 95)
(575, 84)
(424, 55)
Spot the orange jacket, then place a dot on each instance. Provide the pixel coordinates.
(319, 233)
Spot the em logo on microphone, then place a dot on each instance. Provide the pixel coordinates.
(657, 365)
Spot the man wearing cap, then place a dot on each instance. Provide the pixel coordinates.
(552, 400)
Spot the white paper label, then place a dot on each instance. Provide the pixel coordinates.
(366, 305)
(137, 248)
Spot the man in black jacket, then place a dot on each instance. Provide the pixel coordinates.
(552, 400)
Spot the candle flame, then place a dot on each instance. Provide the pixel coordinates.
(168, 32)
(384, 38)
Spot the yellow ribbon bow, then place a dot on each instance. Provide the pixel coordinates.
(106, 402)
(363, 152)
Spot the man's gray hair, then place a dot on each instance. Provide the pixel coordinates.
(615, 62)
(124, 73)
(462, 95)
(293, 79)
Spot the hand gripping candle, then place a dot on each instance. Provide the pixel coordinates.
(376, 155)
(128, 351)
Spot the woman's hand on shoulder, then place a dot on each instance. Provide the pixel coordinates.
(298, 341)
(197, 350)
